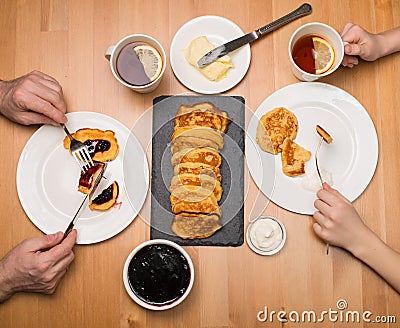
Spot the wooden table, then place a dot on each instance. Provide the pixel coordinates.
(67, 39)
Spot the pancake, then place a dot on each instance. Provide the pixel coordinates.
(202, 114)
(294, 158)
(197, 168)
(191, 193)
(102, 145)
(181, 143)
(274, 127)
(205, 206)
(106, 199)
(200, 181)
(88, 178)
(202, 184)
(199, 132)
(197, 155)
(199, 226)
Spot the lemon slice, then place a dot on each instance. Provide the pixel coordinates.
(150, 59)
(324, 55)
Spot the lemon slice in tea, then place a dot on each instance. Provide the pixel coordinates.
(324, 55)
(150, 59)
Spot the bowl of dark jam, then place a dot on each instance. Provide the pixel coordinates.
(158, 274)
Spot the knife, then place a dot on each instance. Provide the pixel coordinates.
(226, 48)
(75, 217)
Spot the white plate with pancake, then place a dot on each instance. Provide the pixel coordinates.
(218, 31)
(48, 176)
(351, 158)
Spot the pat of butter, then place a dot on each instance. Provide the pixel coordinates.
(215, 71)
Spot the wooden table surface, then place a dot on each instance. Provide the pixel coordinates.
(67, 39)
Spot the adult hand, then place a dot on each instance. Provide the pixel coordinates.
(34, 98)
(361, 43)
(36, 265)
(337, 221)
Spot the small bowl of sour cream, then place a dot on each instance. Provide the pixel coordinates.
(266, 235)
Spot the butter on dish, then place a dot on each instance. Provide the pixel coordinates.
(215, 71)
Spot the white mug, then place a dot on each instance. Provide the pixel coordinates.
(113, 51)
(327, 33)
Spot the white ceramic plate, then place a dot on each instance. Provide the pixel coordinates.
(47, 180)
(351, 158)
(218, 31)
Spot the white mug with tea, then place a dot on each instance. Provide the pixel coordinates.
(138, 62)
(315, 50)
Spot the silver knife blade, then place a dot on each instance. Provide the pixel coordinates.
(75, 217)
(226, 48)
(230, 46)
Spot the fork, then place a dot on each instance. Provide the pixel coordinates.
(320, 178)
(80, 152)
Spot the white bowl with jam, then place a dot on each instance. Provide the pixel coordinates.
(266, 235)
(158, 274)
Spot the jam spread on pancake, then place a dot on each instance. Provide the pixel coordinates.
(87, 178)
(97, 145)
(105, 196)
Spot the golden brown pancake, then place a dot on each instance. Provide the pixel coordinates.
(274, 127)
(201, 181)
(205, 113)
(206, 206)
(199, 226)
(199, 132)
(181, 143)
(197, 155)
(294, 158)
(106, 199)
(197, 168)
(102, 145)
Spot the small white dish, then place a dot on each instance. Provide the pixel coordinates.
(253, 245)
(218, 31)
(139, 301)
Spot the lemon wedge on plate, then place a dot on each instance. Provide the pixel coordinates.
(150, 59)
(324, 55)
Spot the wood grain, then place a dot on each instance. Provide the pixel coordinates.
(67, 39)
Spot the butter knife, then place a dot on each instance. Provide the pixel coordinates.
(75, 217)
(226, 48)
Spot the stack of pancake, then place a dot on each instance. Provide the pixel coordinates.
(196, 184)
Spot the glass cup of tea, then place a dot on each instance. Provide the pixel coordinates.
(138, 62)
(315, 50)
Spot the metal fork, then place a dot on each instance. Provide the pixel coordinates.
(320, 178)
(316, 160)
(80, 152)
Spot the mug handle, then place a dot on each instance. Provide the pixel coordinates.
(109, 52)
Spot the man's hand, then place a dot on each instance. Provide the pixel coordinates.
(36, 265)
(34, 98)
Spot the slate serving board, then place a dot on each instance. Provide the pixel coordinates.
(232, 170)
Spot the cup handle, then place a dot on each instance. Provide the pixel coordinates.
(109, 52)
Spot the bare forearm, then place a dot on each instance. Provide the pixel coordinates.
(380, 257)
(390, 41)
(5, 288)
